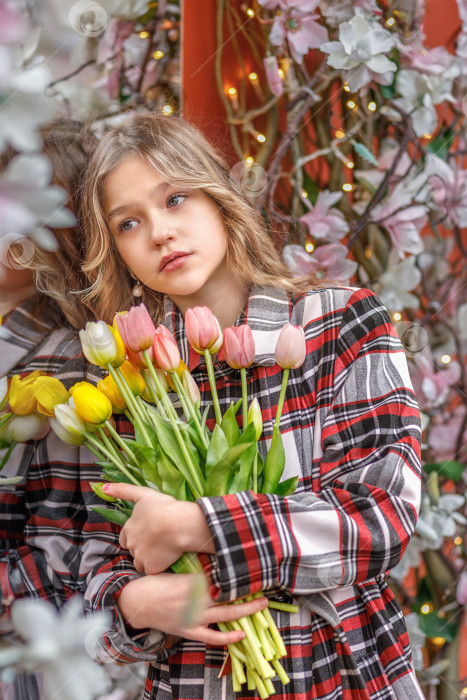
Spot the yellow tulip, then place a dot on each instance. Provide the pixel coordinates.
(90, 403)
(180, 370)
(49, 392)
(121, 349)
(108, 387)
(133, 378)
(21, 395)
(147, 395)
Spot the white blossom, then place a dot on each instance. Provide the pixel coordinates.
(361, 51)
(395, 285)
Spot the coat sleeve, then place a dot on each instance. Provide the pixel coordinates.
(361, 513)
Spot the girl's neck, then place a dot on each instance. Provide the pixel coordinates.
(226, 304)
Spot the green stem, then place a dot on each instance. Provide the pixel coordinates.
(110, 446)
(137, 414)
(254, 474)
(91, 440)
(7, 455)
(181, 394)
(187, 564)
(191, 408)
(280, 404)
(212, 383)
(155, 397)
(244, 398)
(120, 442)
(166, 402)
(285, 607)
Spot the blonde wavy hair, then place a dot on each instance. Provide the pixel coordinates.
(182, 155)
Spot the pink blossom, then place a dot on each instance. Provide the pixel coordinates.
(444, 433)
(272, 74)
(434, 61)
(326, 262)
(431, 384)
(291, 347)
(239, 346)
(117, 33)
(300, 28)
(137, 358)
(13, 27)
(136, 328)
(461, 592)
(323, 222)
(449, 190)
(404, 226)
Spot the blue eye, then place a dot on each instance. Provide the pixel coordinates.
(127, 225)
(172, 201)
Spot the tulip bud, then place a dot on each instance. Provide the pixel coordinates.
(291, 347)
(255, 416)
(21, 394)
(121, 349)
(67, 417)
(239, 346)
(109, 388)
(49, 391)
(137, 358)
(90, 403)
(133, 378)
(97, 487)
(191, 388)
(136, 328)
(166, 353)
(147, 396)
(21, 428)
(98, 343)
(203, 330)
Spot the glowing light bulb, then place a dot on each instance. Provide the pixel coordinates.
(339, 134)
(304, 194)
(428, 137)
(372, 106)
(445, 359)
(253, 77)
(347, 187)
(390, 22)
(351, 104)
(260, 137)
(233, 97)
(167, 110)
(309, 247)
(346, 87)
(250, 12)
(458, 540)
(249, 160)
(426, 608)
(396, 316)
(158, 54)
(350, 164)
(438, 641)
(464, 691)
(144, 35)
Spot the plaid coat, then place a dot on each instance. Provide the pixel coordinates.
(351, 432)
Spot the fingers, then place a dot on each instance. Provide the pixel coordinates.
(122, 538)
(129, 492)
(226, 613)
(214, 637)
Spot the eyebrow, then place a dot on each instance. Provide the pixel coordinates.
(160, 188)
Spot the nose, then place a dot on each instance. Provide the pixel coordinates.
(161, 231)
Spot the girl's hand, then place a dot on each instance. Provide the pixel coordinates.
(179, 604)
(161, 528)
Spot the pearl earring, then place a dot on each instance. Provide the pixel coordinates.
(137, 290)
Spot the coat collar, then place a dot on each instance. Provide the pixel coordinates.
(266, 311)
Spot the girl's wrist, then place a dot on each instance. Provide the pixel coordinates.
(193, 532)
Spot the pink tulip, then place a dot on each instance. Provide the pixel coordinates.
(166, 353)
(461, 593)
(239, 346)
(191, 388)
(136, 328)
(137, 358)
(165, 331)
(203, 330)
(291, 347)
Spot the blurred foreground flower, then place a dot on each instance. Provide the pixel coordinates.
(60, 647)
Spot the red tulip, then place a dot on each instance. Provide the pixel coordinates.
(239, 346)
(136, 328)
(203, 330)
(166, 353)
(291, 347)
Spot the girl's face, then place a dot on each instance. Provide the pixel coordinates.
(172, 239)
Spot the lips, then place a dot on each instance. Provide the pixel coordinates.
(171, 257)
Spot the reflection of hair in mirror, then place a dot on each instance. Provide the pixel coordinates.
(182, 156)
(67, 144)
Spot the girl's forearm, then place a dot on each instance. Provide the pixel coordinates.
(193, 530)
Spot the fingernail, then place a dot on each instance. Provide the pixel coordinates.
(107, 488)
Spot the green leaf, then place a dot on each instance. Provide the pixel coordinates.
(196, 439)
(139, 438)
(274, 463)
(172, 481)
(229, 424)
(217, 448)
(441, 144)
(287, 487)
(245, 463)
(111, 473)
(310, 187)
(219, 481)
(449, 469)
(115, 516)
(362, 151)
(434, 626)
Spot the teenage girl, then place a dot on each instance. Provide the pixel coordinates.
(164, 219)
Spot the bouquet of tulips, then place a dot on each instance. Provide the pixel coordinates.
(180, 456)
